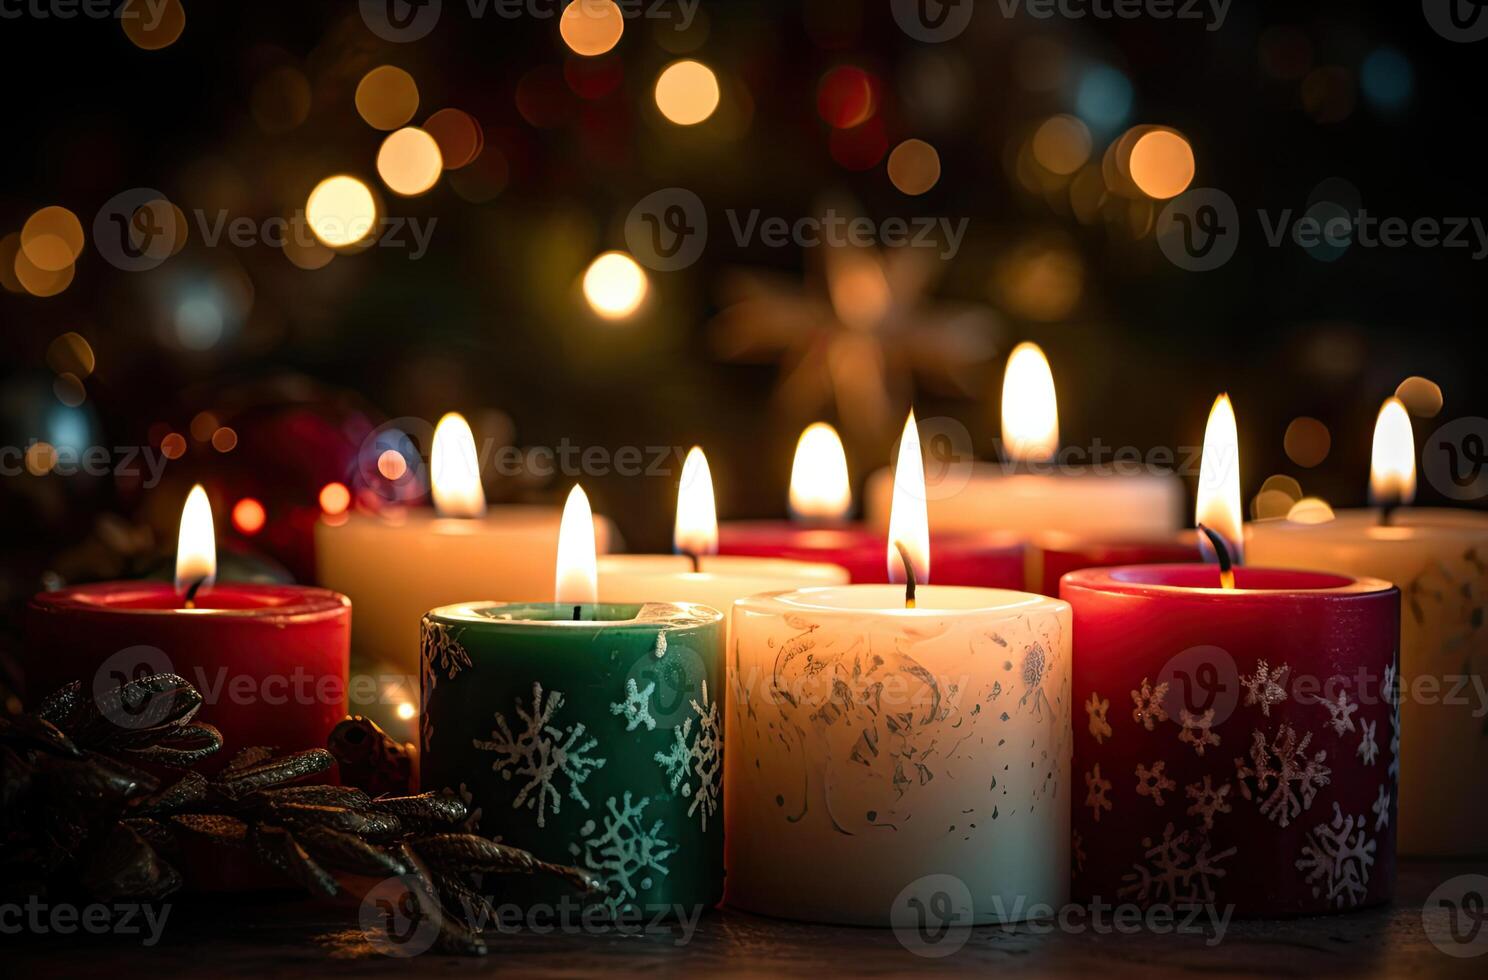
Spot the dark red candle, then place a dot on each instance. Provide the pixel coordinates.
(1234, 746)
(1052, 554)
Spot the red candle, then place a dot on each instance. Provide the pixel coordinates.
(1236, 745)
(270, 661)
(1052, 554)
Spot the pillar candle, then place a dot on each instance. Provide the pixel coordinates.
(1053, 553)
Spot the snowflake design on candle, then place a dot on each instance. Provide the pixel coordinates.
(1152, 782)
(1096, 789)
(1096, 707)
(542, 753)
(1337, 858)
(1368, 747)
(625, 852)
(1341, 712)
(471, 823)
(1149, 708)
(439, 652)
(1290, 785)
(1035, 665)
(1208, 800)
(696, 756)
(1180, 871)
(637, 705)
(1198, 730)
(1265, 687)
(1381, 808)
(1077, 853)
(1392, 693)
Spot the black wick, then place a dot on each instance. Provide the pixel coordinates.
(697, 561)
(578, 612)
(1222, 554)
(909, 575)
(192, 590)
(1387, 510)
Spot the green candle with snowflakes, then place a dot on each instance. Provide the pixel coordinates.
(587, 733)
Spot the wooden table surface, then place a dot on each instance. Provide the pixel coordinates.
(288, 936)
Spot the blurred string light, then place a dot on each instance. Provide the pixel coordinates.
(52, 238)
(248, 516)
(1307, 441)
(1310, 510)
(342, 211)
(846, 97)
(203, 424)
(40, 282)
(10, 247)
(173, 445)
(1422, 397)
(1041, 280)
(152, 24)
(69, 389)
(590, 78)
(1103, 97)
(409, 161)
(1162, 164)
(458, 136)
(334, 498)
(591, 27)
(225, 439)
(615, 285)
(687, 92)
(914, 167)
(391, 464)
(1061, 144)
(1387, 79)
(1276, 497)
(387, 97)
(70, 353)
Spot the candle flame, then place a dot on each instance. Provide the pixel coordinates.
(196, 546)
(1392, 465)
(1219, 480)
(456, 469)
(696, 530)
(819, 487)
(576, 580)
(909, 521)
(1030, 409)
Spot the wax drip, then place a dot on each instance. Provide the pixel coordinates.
(1222, 554)
(909, 575)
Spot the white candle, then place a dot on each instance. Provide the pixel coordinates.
(873, 747)
(1034, 491)
(396, 567)
(1439, 559)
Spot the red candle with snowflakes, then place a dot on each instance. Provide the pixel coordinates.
(820, 500)
(1239, 738)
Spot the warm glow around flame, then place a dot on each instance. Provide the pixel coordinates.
(456, 469)
(909, 524)
(1219, 478)
(696, 530)
(196, 547)
(1392, 465)
(576, 579)
(819, 487)
(1030, 410)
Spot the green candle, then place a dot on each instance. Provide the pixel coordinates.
(594, 741)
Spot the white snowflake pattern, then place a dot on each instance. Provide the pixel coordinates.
(696, 756)
(1152, 782)
(472, 822)
(1096, 789)
(1368, 747)
(440, 652)
(1337, 858)
(1208, 800)
(1293, 785)
(636, 707)
(542, 752)
(1149, 708)
(1381, 808)
(1394, 769)
(1341, 712)
(1179, 872)
(1198, 730)
(1077, 854)
(627, 853)
(1266, 687)
(1096, 707)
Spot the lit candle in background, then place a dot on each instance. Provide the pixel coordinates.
(1439, 559)
(586, 732)
(875, 743)
(1235, 743)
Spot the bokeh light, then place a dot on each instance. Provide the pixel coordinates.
(615, 285)
(1328, 94)
(69, 390)
(1040, 280)
(914, 167)
(846, 97)
(52, 238)
(687, 92)
(41, 282)
(1422, 397)
(1103, 97)
(225, 439)
(1387, 79)
(248, 516)
(40, 458)
(591, 27)
(280, 100)
(70, 353)
(409, 161)
(10, 247)
(173, 446)
(1162, 164)
(203, 424)
(334, 498)
(1061, 145)
(1276, 497)
(342, 211)
(1307, 441)
(1310, 510)
(152, 24)
(391, 464)
(458, 136)
(387, 97)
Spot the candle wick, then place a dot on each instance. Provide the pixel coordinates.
(578, 613)
(1222, 554)
(192, 590)
(1387, 511)
(909, 575)
(696, 559)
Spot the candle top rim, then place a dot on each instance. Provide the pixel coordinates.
(720, 566)
(1056, 540)
(857, 535)
(295, 602)
(662, 615)
(1406, 524)
(1172, 579)
(497, 517)
(850, 601)
(991, 469)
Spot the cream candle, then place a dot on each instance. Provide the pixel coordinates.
(880, 736)
(397, 566)
(1437, 558)
(1035, 490)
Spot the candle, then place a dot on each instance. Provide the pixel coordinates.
(1236, 742)
(270, 661)
(881, 736)
(588, 733)
(820, 501)
(398, 565)
(1037, 491)
(1437, 558)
